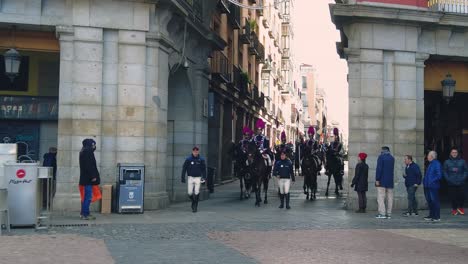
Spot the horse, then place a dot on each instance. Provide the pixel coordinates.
(334, 168)
(242, 172)
(310, 166)
(259, 173)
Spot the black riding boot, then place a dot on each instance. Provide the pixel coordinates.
(287, 201)
(191, 199)
(282, 201)
(195, 203)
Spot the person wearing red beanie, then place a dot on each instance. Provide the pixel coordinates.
(360, 182)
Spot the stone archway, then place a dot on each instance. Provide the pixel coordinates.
(181, 130)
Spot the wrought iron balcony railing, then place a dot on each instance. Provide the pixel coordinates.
(234, 16)
(449, 6)
(194, 6)
(223, 6)
(245, 37)
(220, 68)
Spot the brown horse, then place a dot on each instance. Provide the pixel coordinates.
(258, 171)
(310, 167)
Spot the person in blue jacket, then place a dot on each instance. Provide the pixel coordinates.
(456, 173)
(413, 178)
(431, 184)
(285, 173)
(195, 167)
(384, 183)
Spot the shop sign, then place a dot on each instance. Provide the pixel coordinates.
(28, 107)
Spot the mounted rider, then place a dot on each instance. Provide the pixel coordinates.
(299, 149)
(335, 149)
(262, 142)
(240, 151)
(312, 143)
(283, 147)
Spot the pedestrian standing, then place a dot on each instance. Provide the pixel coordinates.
(456, 173)
(384, 183)
(413, 179)
(431, 184)
(360, 182)
(50, 160)
(195, 168)
(285, 173)
(89, 176)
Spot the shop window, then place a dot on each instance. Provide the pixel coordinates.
(20, 83)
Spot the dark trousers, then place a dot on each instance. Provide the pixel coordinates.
(457, 196)
(432, 198)
(412, 202)
(362, 200)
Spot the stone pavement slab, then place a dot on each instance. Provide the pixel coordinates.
(340, 246)
(48, 249)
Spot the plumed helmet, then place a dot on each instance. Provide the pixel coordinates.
(311, 130)
(247, 131)
(283, 135)
(335, 131)
(259, 124)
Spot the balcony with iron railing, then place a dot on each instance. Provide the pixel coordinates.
(449, 6)
(266, 20)
(234, 16)
(220, 68)
(286, 53)
(253, 45)
(193, 6)
(261, 100)
(223, 6)
(235, 80)
(245, 36)
(259, 3)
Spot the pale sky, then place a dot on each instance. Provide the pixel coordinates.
(314, 38)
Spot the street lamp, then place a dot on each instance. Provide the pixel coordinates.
(12, 63)
(448, 87)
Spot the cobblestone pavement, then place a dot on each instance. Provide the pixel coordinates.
(226, 230)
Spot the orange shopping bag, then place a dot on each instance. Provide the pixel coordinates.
(96, 193)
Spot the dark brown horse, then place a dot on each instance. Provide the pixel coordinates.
(310, 167)
(258, 171)
(335, 169)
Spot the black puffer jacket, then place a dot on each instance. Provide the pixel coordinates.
(88, 167)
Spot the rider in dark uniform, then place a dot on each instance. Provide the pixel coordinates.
(335, 151)
(241, 148)
(263, 143)
(298, 153)
(283, 148)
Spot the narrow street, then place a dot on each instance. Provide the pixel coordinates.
(226, 230)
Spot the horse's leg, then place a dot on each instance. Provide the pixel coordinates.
(258, 200)
(328, 184)
(304, 186)
(314, 188)
(265, 189)
(337, 183)
(241, 187)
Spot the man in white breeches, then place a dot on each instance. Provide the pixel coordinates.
(285, 173)
(195, 168)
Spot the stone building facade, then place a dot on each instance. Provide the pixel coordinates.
(134, 76)
(387, 44)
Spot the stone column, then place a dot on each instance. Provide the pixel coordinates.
(109, 107)
(384, 110)
(156, 132)
(80, 96)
